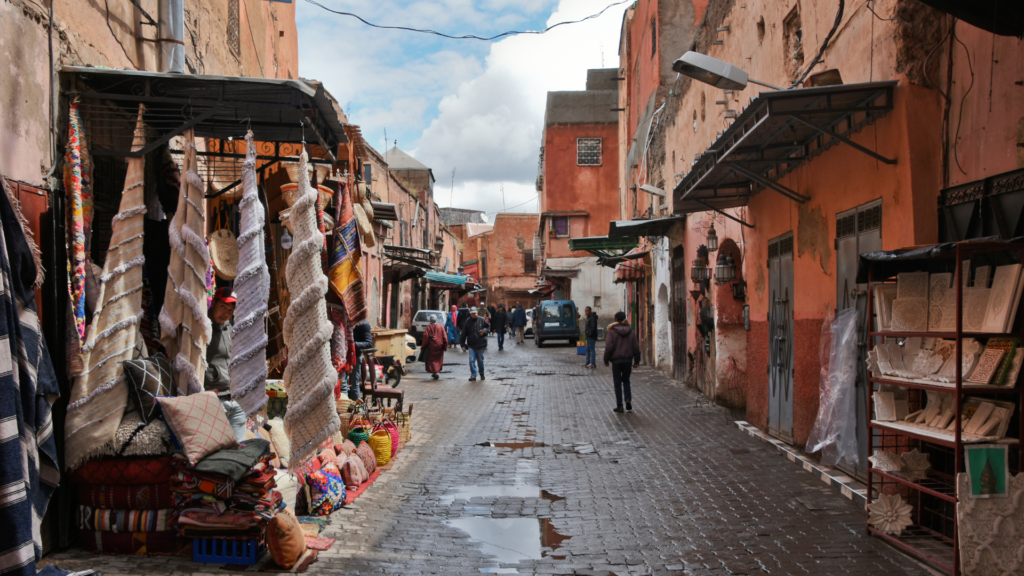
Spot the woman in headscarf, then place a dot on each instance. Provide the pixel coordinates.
(435, 340)
(453, 326)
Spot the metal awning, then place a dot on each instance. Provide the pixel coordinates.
(779, 131)
(632, 255)
(602, 246)
(646, 227)
(442, 280)
(406, 255)
(384, 211)
(559, 273)
(221, 107)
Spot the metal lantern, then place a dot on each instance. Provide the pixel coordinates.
(712, 239)
(725, 271)
(700, 271)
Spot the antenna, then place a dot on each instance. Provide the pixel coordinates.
(502, 187)
(452, 194)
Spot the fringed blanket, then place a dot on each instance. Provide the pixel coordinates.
(309, 377)
(28, 388)
(346, 278)
(125, 520)
(184, 326)
(99, 394)
(78, 184)
(252, 288)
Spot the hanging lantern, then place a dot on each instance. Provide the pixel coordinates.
(712, 239)
(700, 271)
(725, 271)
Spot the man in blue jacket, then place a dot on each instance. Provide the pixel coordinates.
(519, 323)
(474, 339)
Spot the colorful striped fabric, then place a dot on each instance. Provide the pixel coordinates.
(106, 520)
(345, 275)
(132, 496)
(78, 184)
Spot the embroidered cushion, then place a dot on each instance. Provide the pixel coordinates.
(365, 453)
(148, 378)
(199, 424)
(326, 490)
(353, 472)
(347, 448)
(285, 539)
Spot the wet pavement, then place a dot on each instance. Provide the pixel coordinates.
(530, 472)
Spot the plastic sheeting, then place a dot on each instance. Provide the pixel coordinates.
(835, 429)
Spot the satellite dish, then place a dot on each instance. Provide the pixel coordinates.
(485, 218)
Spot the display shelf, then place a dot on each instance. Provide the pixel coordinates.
(935, 484)
(950, 335)
(943, 386)
(931, 547)
(937, 436)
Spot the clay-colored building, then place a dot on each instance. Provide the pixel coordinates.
(502, 253)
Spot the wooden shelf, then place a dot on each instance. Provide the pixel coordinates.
(934, 484)
(945, 387)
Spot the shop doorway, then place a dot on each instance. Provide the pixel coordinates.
(858, 230)
(679, 294)
(780, 337)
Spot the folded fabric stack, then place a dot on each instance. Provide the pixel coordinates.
(227, 495)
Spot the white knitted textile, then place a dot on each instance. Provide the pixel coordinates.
(252, 289)
(309, 377)
(99, 394)
(185, 328)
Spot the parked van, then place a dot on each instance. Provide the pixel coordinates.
(555, 320)
(422, 319)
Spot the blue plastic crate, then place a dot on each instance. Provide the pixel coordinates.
(581, 350)
(220, 551)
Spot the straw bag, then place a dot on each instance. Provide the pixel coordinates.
(404, 423)
(359, 192)
(224, 248)
(391, 428)
(322, 171)
(363, 224)
(290, 193)
(358, 435)
(380, 443)
(368, 208)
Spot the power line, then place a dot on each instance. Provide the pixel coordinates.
(252, 37)
(466, 36)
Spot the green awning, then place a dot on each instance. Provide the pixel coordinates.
(603, 246)
(447, 279)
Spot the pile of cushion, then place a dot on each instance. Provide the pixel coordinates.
(334, 469)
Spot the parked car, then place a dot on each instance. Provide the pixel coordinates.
(421, 320)
(410, 349)
(555, 320)
(529, 323)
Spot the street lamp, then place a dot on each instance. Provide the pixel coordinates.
(715, 72)
(725, 271)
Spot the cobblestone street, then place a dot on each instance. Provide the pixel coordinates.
(535, 452)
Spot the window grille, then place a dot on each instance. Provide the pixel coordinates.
(588, 151)
(529, 263)
(234, 36)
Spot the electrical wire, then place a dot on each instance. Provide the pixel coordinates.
(960, 118)
(534, 199)
(465, 36)
(824, 45)
(252, 37)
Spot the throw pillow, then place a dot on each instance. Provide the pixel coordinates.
(285, 539)
(148, 378)
(365, 453)
(353, 472)
(199, 424)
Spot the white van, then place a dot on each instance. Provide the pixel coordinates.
(422, 319)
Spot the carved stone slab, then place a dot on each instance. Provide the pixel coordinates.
(987, 366)
(1000, 300)
(990, 529)
(910, 314)
(912, 285)
(975, 309)
(884, 295)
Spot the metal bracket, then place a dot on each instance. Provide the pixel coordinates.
(729, 216)
(785, 191)
(843, 139)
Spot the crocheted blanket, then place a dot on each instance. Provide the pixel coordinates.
(185, 327)
(252, 288)
(99, 394)
(310, 376)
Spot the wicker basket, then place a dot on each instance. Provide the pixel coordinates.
(358, 435)
(380, 443)
(343, 404)
(404, 423)
(391, 428)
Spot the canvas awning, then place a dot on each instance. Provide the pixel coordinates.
(442, 280)
(632, 255)
(778, 132)
(559, 273)
(602, 246)
(646, 227)
(629, 271)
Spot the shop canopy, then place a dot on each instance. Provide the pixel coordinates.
(646, 227)
(629, 271)
(778, 132)
(559, 273)
(442, 280)
(632, 255)
(602, 246)
(220, 107)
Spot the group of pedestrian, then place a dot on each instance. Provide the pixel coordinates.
(469, 329)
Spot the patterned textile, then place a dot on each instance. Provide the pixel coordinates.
(252, 286)
(366, 454)
(147, 379)
(125, 520)
(28, 387)
(185, 328)
(234, 463)
(326, 490)
(78, 184)
(341, 340)
(124, 471)
(130, 497)
(214, 485)
(209, 519)
(137, 543)
(346, 278)
(353, 471)
(319, 543)
(199, 424)
(309, 377)
(99, 395)
(136, 438)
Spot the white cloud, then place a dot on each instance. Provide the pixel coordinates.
(491, 127)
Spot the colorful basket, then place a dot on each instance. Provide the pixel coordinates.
(358, 435)
(380, 443)
(392, 429)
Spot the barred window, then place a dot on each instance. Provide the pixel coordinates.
(529, 264)
(234, 38)
(588, 151)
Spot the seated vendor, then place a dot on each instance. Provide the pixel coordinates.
(218, 354)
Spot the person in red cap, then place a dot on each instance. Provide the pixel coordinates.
(218, 354)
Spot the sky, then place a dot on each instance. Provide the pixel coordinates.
(472, 106)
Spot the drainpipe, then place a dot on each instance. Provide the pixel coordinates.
(172, 36)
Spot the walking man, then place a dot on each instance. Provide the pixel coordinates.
(519, 323)
(499, 320)
(435, 341)
(590, 332)
(622, 351)
(474, 339)
(218, 353)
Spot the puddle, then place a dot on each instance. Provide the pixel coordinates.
(550, 497)
(512, 540)
(516, 445)
(469, 492)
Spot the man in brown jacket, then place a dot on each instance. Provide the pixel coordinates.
(622, 351)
